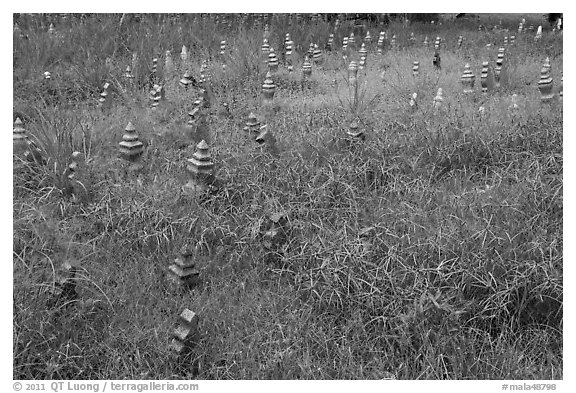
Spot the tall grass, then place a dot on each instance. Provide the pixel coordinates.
(462, 276)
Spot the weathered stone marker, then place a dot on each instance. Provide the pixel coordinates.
(317, 55)
(415, 68)
(306, 69)
(545, 85)
(436, 60)
(154, 72)
(486, 78)
(439, 99)
(155, 96)
(345, 49)
(355, 132)
(514, 102)
(128, 74)
(468, 79)
(131, 148)
(64, 290)
(268, 90)
(74, 166)
(186, 80)
(185, 335)
(222, 48)
(352, 41)
(105, 100)
(288, 46)
(274, 231)
(353, 74)
(184, 56)
(538, 35)
(252, 128)
(24, 147)
(265, 50)
(380, 43)
(310, 50)
(363, 54)
(168, 65)
(183, 273)
(330, 43)
(272, 61)
(267, 141)
(368, 38)
(201, 171)
(19, 138)
(501, 70)
(413, 103)
(547, 65)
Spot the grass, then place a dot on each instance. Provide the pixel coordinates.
(462, 276)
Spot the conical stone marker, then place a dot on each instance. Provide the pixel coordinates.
(131, 148)
(468, 79)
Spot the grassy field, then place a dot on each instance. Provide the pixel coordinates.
(459, 277)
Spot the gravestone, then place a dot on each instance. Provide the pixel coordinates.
(184, 56)
(289, 60)
(439, 99)
(545, 85)
(186, 80)
(538, 35)
(352, 41)
(131, 148)
(317, 55)
(184, 336)
(272, 62)
(168, 65)
(267, 141)
(306, 68)
(154, 72)
(380, 43)
(368, 38)
(19, 138)
(415, 68)
(413, 103)
(362, 53)
(105, 100)
(501, 70)
(436, 61)
(268, 90)
(252, 128)
(183, 273)
(468, 79)
(487, 78)
(330, 44)
(355, 132)
(201, 171)
(128, 74)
